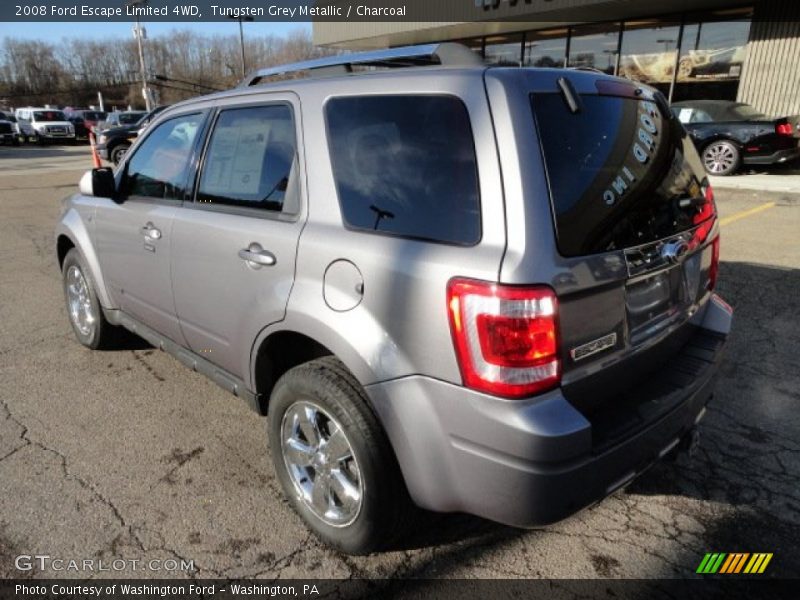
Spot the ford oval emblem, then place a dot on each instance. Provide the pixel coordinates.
(673, 252)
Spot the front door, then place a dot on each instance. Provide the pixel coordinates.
(234, 247)
(134, 233)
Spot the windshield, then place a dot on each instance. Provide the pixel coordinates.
(131, 118)
(743, 112)
(618, 171)
(48, 115)
(720, 112)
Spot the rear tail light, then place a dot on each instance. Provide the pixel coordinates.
(713, 270)
(784, 129)
(506, 338)
(705, 217)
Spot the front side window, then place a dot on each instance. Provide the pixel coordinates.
(250, 158)
(405, 165)
(159, 167)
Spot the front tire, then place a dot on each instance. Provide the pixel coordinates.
(721, 158)
(83, 307)
(333, 458)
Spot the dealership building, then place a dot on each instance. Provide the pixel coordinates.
(711, 49)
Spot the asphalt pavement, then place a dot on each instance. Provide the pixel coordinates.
(127, 455)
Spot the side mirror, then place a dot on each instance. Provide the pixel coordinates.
(99, 183)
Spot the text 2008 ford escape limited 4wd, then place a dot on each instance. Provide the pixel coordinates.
(475, 289)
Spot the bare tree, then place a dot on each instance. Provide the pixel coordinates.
(72, 71)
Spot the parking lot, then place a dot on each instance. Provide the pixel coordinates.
(128, 454)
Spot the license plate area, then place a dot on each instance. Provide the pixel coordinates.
(652, 300)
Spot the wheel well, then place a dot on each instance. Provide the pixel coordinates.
(277, 354)
(63, 245)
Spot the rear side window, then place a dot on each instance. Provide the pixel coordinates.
(618, 171)
(405, 165)
(250, 158)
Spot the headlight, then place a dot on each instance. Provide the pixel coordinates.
(71, 128)
(101, 139)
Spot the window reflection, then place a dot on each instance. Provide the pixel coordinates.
(713, 50)
(649, 51)
(545, 48)
(595, 47)
(504, 49)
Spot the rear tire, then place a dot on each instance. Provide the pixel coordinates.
(721, 158)
(118, 152)
(83, 307)
(333, 458)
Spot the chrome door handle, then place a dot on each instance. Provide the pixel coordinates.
(151, 231)
(257, 257)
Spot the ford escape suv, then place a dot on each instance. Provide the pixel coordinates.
(466, 288)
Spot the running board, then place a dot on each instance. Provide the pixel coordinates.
(195, 362)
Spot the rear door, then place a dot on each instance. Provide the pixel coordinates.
(234, 246)
(614, 211)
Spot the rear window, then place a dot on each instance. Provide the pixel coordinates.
(617, 169)
(405, 165)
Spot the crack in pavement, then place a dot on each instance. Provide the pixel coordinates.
(89, 487)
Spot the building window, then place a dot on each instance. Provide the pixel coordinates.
(713, 50)
(504, 49)
(712, 55)
(595, 47)
(649, 50)
(545, 48)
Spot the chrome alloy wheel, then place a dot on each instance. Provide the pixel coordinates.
(79, 302)
(321, 464)
(719, 158)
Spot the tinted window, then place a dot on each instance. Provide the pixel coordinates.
(618, 170)
(250, 158)
(405, 165)
(158, 169)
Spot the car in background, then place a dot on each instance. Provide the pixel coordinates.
(729, 134)
(121, 119)
(8, 131)
(81, 126)
(90, 118)
(113, 143)
(25, 132)
(50, 124)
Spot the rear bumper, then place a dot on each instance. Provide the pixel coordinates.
(781, 156)
(529, 463)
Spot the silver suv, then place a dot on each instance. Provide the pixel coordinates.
(464, 288)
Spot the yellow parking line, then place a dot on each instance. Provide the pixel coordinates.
(746, 213)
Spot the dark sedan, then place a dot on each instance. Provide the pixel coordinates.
(729, 134)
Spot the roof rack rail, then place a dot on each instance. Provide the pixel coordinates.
(448, 54)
